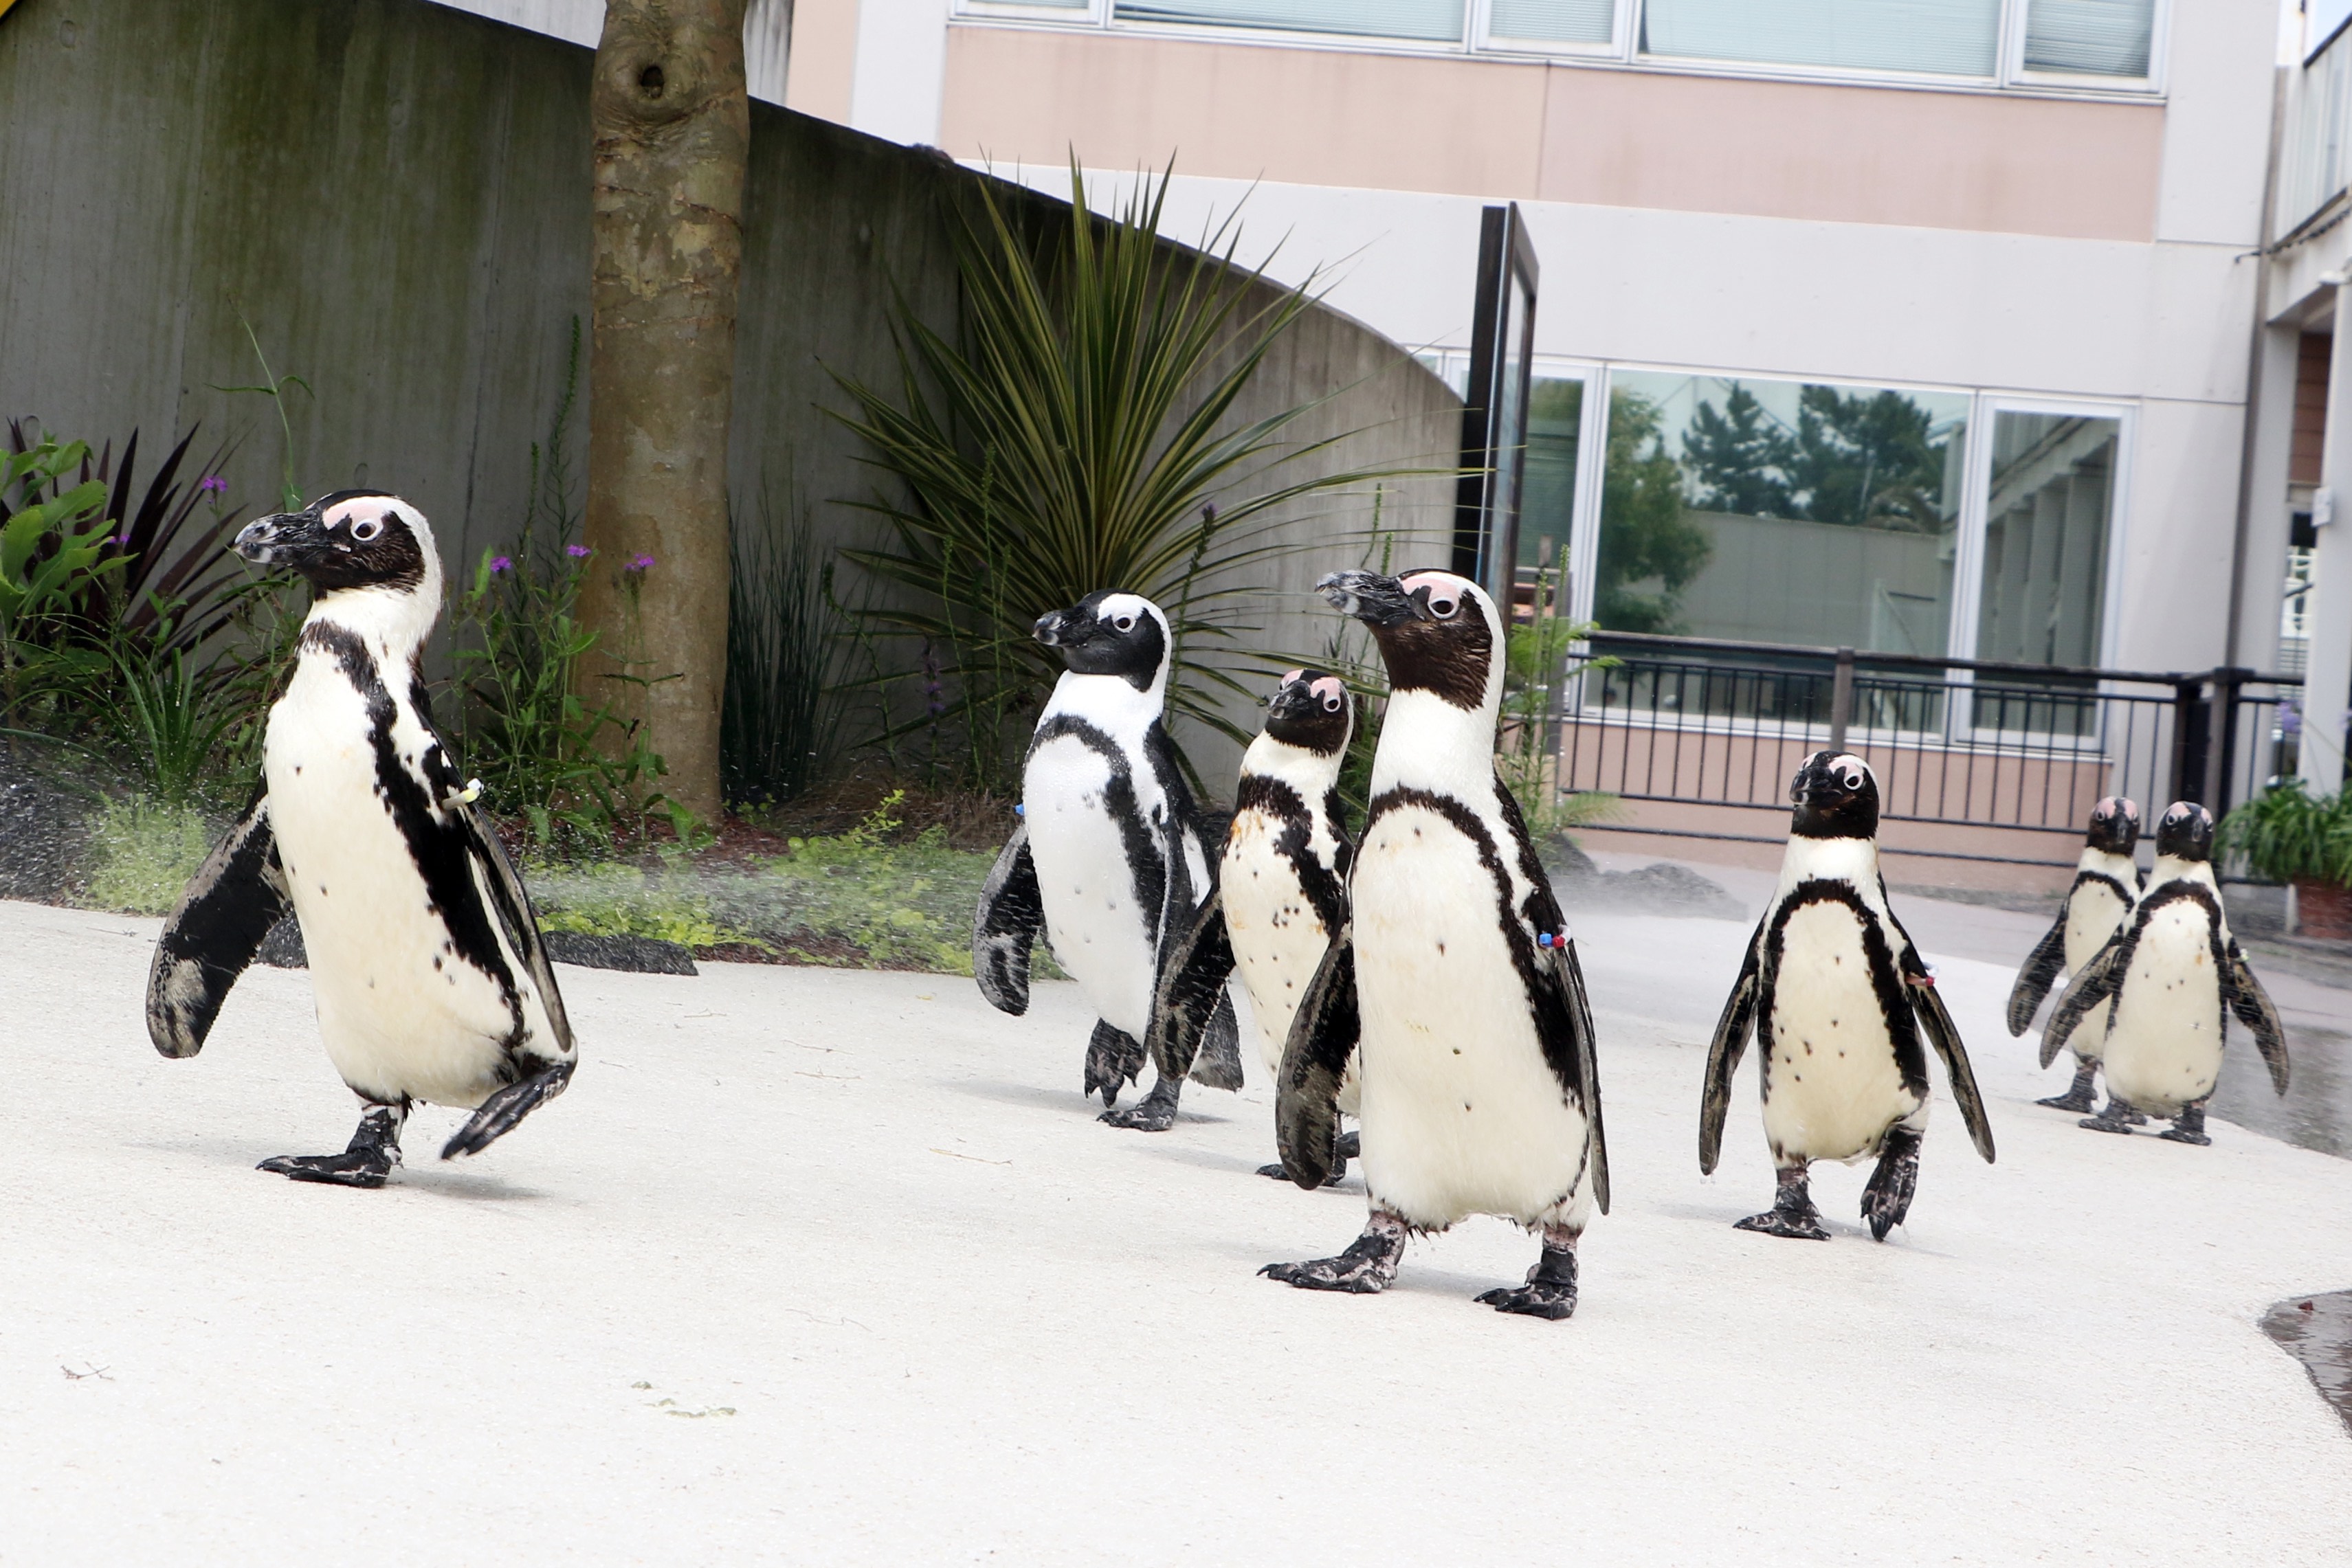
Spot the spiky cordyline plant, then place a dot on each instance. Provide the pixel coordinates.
(1079, 438)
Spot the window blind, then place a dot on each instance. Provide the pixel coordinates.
(1553, 21)
(1948, 37)
(2090, 37)
(1435, 20)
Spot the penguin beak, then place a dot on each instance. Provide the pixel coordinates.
(1371, 597)
(284, 539)
(1293, 700)
(1053, 628)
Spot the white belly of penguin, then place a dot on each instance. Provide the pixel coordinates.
(393, 1022)
(2164, 1046)
(2092, 916)
(1277, 937)
(1084, 882)
(1461, 1113)
(1834, 1088)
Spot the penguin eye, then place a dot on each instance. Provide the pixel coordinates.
(1853, 779)
(1124, 622)
(1331, 705)
(367, 529)
(1443, 609)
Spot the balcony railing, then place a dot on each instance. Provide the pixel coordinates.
(2315, 159)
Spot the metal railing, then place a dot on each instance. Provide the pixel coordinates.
(2315, 155)
(1972, 743)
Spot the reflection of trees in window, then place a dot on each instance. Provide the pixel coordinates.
(1649, 550)
(1867, 458)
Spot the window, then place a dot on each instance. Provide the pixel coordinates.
(2090, 37)
(1547, 500)
(1775, 511)
(1431, 21)
(1940, 37)
(1547, 22)
(2045, 564)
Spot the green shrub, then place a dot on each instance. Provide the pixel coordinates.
(2287, 834)
(143, 853)
(668, 904)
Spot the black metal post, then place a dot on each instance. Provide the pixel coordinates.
(2187, 781)
(1841, 698)
(2222, 739)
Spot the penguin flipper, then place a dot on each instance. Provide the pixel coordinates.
(2037, 975)
(1006, 925)
(2093, 984)
(1576, 1004)
(1314, 1060)
(1936, 1022)
(1219, 1065)
(1723, 1053)
(506, 899)
(227, 911)
(1192, 976)
(2253, 1006)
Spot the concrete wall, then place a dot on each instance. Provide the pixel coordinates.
(395, 195)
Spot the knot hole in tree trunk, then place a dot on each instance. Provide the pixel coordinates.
(650, 82)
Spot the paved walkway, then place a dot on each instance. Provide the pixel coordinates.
(830, 1267)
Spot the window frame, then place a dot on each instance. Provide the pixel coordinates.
(1479, 31)
(2013, 73)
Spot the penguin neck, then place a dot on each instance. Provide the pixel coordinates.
(1854, 861)
(1428, 743)
(1109, 703)
(1310, 773)
(2108, 863)
(2172, 868)
(392, 622)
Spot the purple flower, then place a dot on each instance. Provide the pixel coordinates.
(213, 482)
(641, 563)
(577, 553)
(2289, 719)
(123, 539)
(499, 563)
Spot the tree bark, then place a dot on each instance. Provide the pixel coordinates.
(672, 127)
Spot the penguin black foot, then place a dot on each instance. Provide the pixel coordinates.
(2118, 1117)
(1155, 1112)
(374, 1149)
(1351, 1148)
(1367, 1267)
(1793, 1214)
(1887, 1197)
(2189, 1127)
(1114, 1057)
(1280, 1172)
(497, 1116)
(1550, 1289)
(2079, 1097)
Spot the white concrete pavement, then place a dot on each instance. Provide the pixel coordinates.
(831, 1266)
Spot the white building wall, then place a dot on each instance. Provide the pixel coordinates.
(767, 31)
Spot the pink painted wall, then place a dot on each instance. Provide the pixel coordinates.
(2006, 163)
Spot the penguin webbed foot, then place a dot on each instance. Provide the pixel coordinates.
(1550, 1289)
(2078, 1096)
(1887, 1197)
(1367, 1267)
(367, 1162)
(1155, 1112)
(1793, 1214)
(2119, 1116)
(498, 1115)
(2189, 1127)
(1113, 1058)
(1351, 1146)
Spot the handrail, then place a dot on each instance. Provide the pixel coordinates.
(1928, 662)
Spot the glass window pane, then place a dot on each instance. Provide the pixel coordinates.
(1554, 21)
(2091, 37)
(1548, 502)
(1773, 511)
(1949, 37)
(1436, 20)
(2045, 550)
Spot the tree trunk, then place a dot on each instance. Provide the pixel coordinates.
(672, 128)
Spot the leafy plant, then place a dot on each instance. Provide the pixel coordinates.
(605, 899)
(274, 387)
(172, 724)
(783, 712)
(52, 549)
(2288, 835)
(145, 852)
(1079, 437)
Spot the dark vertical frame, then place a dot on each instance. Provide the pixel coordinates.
(1485, 513)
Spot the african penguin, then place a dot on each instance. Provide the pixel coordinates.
(1281, 891)
(1454, 981)
(429, 977)
(2167, 981)
(2106, 882)
(1838, 997)
(1111, 856)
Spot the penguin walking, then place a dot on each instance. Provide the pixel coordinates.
(430, 980)
(1282, 888)
(2166, 983)
(2107, 885)
(1454, 981)
(1837, 996)
(1111, 856)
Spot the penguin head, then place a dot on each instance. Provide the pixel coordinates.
(1311, 710)
(352, 538)
(1109, 634)
(1438, 632)
(2115, 826)
(2185, 832)
(1836, 797)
